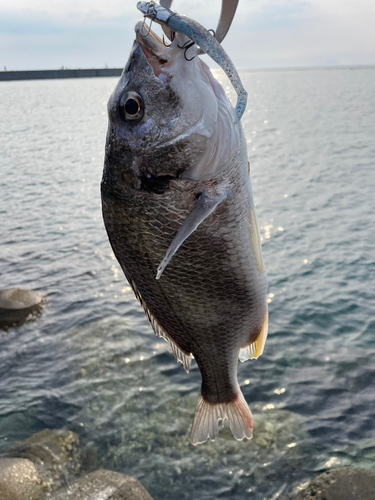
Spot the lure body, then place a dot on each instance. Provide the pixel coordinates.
(203, 38)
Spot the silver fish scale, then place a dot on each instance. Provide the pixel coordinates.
(210, 299)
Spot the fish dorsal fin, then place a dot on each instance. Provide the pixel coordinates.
(206, 204)
(255, 349)
(181, 356)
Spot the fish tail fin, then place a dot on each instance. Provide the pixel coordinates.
(207, 416)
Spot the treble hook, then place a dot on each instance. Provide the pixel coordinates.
(151, 13)
(143, 26)
(173, 35)
(189, 44)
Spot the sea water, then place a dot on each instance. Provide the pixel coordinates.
(91, 363)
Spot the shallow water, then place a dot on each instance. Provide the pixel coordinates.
(91, 362)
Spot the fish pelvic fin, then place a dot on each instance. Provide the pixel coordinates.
(180, 355)
(206, 204)
(255, 349)
(208, 415)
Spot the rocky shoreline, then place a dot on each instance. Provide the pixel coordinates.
(52, 465)
(344, 483)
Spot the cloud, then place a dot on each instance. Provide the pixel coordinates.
(74, 11)
(22, 24)
(265, 33)
(276, 15)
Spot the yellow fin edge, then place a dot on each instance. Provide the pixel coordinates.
(257, 246)
(255, 349)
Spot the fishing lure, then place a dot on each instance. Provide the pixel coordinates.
(203, 38)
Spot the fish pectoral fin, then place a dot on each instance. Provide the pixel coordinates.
(255, 349)
(206, 204)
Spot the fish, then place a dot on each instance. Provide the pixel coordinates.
(179, 213)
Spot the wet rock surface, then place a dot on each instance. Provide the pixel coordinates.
(56, 455)
(340, 484)
(103, 484)
(19, 480)
(18, 306)
(47, 465)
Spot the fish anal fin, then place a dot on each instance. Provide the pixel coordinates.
(255, 349)
(208, 415)
(257, 245)
(206, 204)
(180, 355)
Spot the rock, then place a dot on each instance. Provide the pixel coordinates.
(340, 484)
(103, 485)
(18, 306)
(19, 480)
(56, 455)
(16, 298)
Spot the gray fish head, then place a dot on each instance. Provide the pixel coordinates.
(163, 113)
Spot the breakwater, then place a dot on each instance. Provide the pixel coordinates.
(58, 73)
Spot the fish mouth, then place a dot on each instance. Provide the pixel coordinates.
(159, 56)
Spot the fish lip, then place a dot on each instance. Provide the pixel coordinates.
(151, 44)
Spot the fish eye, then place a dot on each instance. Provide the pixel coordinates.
(131, 106)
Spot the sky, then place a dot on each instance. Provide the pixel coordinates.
(50, 34)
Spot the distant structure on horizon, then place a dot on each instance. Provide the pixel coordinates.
(58, 73)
